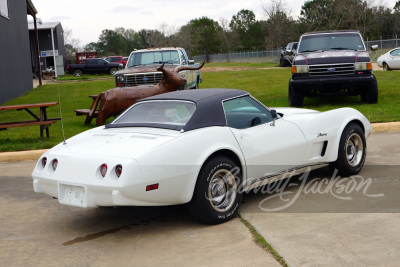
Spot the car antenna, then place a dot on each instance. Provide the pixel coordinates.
(59, 103)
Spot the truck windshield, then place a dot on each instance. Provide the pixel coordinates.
(331, 41)
(153, 57)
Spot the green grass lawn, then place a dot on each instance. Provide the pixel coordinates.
(270, 86)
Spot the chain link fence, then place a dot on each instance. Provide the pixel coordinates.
(273, 56)
(384, 46)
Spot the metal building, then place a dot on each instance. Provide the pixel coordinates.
(15, 55)
(51, 46)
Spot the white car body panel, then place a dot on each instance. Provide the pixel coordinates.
(392, 61)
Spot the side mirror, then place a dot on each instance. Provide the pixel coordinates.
(191, 62)
(374, 47)
(274, 116)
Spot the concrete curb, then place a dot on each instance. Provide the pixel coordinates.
(35, 154)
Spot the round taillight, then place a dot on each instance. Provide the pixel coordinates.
(44, 162)
(118, 170)
(54, 164)
(103, 169)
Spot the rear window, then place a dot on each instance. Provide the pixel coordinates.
(172, 113)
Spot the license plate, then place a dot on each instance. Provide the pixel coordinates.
(72, 195)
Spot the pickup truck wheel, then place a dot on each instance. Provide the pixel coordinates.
(295, 97)
(113, 71)
(372, 93)
(197, 85)
(217, 195)
(385, 67)
(77, 73)
(352, 151)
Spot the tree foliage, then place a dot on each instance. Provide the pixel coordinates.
(244, 32)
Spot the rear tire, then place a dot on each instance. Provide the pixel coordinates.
(385, 67)
(217, 195)
(352, 151)
(113, 71)
(77, 73)
(295, 97)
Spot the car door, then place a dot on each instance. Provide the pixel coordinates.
(268, 147)
(395, 59)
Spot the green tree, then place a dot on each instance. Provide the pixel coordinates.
(248, 29)
(111, 43)
(205, 36)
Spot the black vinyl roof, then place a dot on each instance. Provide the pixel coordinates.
(209, 110)
(200, 95)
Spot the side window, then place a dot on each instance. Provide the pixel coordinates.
(395, 53)
(185, 56)
(108, 59)
(183, 59)
(244, 112)
(114, 59)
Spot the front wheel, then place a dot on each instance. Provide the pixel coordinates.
(352, 151)
(295, 97)
(113, 71)
(371, 95)
(217, 194)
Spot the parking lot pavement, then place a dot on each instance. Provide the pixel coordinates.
(37, 231)
(333, 223)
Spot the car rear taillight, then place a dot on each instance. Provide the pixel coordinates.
(118, 170)
(54, 164)
(103, 169)
(67, 67)
(44, 161)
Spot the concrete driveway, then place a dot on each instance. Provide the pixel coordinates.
(334, 224)
(320, 227)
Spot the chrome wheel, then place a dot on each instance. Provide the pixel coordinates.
(354, 149)
(222, 190)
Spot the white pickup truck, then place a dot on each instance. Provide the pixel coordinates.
(142, 64)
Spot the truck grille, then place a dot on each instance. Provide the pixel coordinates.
(331, 69)
(146, 78)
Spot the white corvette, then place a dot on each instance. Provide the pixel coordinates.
(201, 147)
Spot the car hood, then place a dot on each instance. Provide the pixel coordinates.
(331, 57)
(297, 114)
(115, 142)
(145, 69)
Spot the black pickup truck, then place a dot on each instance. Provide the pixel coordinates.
(94, 65)
(332, 63)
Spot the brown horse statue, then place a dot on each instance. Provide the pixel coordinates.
(115, 101)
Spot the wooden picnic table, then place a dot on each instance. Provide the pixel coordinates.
(85, 111)
(40, 120)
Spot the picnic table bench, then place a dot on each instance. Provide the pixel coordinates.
(40, 120)
(93, 106)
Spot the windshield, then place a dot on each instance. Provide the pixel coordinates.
(154, 57)
(331, 41)
(173, 113)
